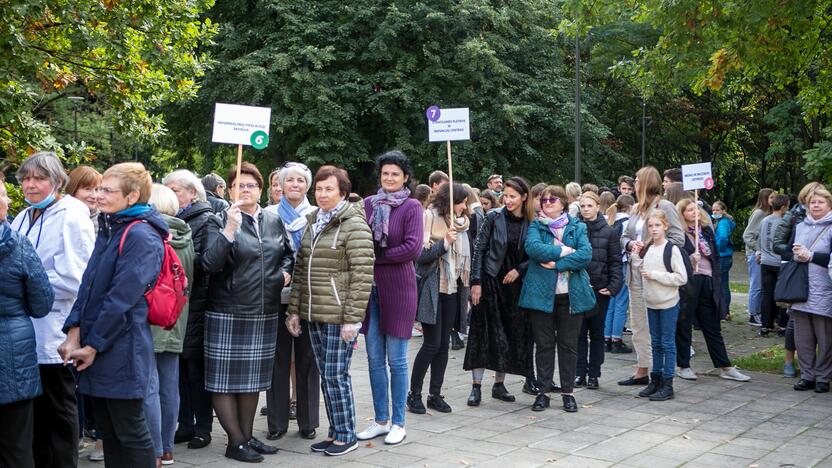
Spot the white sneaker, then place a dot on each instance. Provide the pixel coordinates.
(687, 373)
(733, 374)
(396, 435)
(374, 431)
(692, 352)
(96, 455)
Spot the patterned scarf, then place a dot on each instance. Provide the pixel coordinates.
(383, 202)
(324, 217)
(294, 219)
(704, 248)
(555, 224)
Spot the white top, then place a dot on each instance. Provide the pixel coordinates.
(63, 237)
(662, 290)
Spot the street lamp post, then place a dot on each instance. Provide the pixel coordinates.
(75, 101)
(577, 108)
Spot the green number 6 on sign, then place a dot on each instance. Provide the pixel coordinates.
(259, 139)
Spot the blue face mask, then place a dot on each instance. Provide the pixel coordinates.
(43, 203)
(716, 216)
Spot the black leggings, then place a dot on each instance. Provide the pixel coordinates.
(769, 309)
(434, 350)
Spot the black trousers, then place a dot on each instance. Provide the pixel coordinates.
(16, 432)
(592, 328)
(705, 311)
(768, 307)
(434, 350)
(308, 381)
(56, 433)
(123, 427)
(195, 411)
(556, 332)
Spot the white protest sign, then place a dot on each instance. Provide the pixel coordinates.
(448, 124)
(241, 125)
(697, 176)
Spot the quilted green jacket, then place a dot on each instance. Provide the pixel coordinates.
(334, 271)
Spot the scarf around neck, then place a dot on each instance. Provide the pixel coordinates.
(135, 210)
(703, 246)
(322, 218)
(456, 262)
(294, 219)
(383, 202)
(555, 224)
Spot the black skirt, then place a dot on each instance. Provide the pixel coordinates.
(499, 334)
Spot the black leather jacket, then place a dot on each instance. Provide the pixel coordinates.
(247, 274)
(197, 216)
(783, 232)
(217, 204)
(491, 244)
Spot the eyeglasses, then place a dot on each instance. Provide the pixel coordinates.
(550, 201)
(249, 186)
(107, 190)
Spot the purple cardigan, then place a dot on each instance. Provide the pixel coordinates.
(394, 273)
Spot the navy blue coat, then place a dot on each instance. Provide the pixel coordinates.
(24, 292)
(112, 311)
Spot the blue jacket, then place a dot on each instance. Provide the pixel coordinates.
(24, 292)
(723, 237)
(112, 311)
(539, 283)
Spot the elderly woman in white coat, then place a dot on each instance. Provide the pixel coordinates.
(60, 229)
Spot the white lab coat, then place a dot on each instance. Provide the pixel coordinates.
(63, 237)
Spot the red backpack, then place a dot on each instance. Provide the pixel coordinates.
(168, 296)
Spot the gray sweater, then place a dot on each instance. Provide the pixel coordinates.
(752, 232)
(766, 240)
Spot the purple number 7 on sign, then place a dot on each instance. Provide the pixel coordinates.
(433, 113)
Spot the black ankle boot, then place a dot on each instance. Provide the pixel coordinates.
(664, 393)
(608, 345)
(476, 395)
(500, 392)
(414, 403)
(653, 387)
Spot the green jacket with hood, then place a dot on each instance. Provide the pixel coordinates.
(170, 341)
(334, 271)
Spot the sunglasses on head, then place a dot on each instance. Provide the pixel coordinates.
(549, 200)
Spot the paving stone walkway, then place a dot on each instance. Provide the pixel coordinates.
(711, 423)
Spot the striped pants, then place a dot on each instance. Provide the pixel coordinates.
(333, 357)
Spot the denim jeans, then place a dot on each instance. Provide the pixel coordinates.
(725, 264)
(663, 339)
(384, 350)
(755, 286)
(617, 311)
(162, 403)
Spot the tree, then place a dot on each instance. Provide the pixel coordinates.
(346, 81)
(127, 58)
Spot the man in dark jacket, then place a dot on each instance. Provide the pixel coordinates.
(214, 190)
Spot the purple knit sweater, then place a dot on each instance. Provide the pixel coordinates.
(394, 273)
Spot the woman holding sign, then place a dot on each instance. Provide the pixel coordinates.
(499, 333)
(707, 303)
(250, 260)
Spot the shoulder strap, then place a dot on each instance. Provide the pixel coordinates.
(818, 237)
(668, 256)
(124, 234)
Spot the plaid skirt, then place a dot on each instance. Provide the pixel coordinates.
(239, 352)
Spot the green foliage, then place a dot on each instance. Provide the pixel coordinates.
(819, 159)
(769, 360)
(16, 195)
(346, 81)
(127, 57)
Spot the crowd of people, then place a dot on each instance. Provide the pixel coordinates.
(527, 278)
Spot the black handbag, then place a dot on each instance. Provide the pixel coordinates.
(792, 285)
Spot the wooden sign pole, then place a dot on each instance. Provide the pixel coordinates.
(239, 164)
(451, 183)
(696, 227)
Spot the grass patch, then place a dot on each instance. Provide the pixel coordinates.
(768, 360)
(738, 287)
